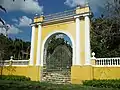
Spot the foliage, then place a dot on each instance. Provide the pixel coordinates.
(105, 37)
(54, 42)
(105, 32)
(59, 53)
(103, 83)
(4, 44)
(14, 78)
(17, 48)
(16, 85)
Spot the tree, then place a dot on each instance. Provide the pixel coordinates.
(54, 42)
(105, 32)
(4, 25)
(17, 48)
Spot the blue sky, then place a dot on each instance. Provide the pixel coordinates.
(20, 13)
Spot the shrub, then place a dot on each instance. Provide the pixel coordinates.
(103, 83)
(14, 78)
(30, 85)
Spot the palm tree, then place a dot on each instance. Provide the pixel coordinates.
(3, 9)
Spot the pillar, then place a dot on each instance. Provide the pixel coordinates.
(39, 45)
(32, 46)
(77, 41)
(87, 40)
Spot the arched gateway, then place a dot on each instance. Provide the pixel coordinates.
(76, 25)
(57, 57)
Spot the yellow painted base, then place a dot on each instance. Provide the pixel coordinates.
(80, 73)
(107, 72)
(34, 72)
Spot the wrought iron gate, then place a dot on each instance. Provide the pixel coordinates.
(57, 66)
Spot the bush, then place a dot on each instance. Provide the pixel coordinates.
(14, 78)
(103, 83)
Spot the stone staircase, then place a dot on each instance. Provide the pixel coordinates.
(57, 77)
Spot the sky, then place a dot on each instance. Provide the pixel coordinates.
(20, 14)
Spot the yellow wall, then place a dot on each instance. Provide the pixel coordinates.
(81, 73)
(28, 71)
(65, 26)
(106, 72)
(78, 73)
(69, 27)
(82, 10)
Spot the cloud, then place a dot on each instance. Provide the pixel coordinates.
(73, 3)
(28, 6)
(14, 20)
(14, 30)
(24, 21)
(96, 5)
(60, 36)
(11, 29)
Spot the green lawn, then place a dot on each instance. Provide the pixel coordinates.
(30, 85)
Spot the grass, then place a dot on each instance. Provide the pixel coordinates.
(32, 85)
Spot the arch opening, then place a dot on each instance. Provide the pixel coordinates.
(57, 58)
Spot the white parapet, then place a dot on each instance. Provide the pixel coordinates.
(14, 62)
(107, 61)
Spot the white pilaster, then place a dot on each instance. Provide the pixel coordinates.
(39, 45)
(77, 41)
(32, 46)
(87, 40)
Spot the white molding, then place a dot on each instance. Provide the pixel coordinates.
(15, 60)
(39, 45)
(33, 24)
(108, 58)
(20, 65)
(16, 65)
(106, 65)
(38, 23)
(87, 40)
(32, 47)
(54, 32)
(19, 60)
(77, 41)
(80, 15)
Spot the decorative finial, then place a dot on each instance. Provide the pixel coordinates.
(11, 58)
(42, 13)
(93, 55)
(86, 3)
(36, 14)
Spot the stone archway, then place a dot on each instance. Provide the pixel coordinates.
(57, 63)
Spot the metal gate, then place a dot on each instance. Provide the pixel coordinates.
(57, 66)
